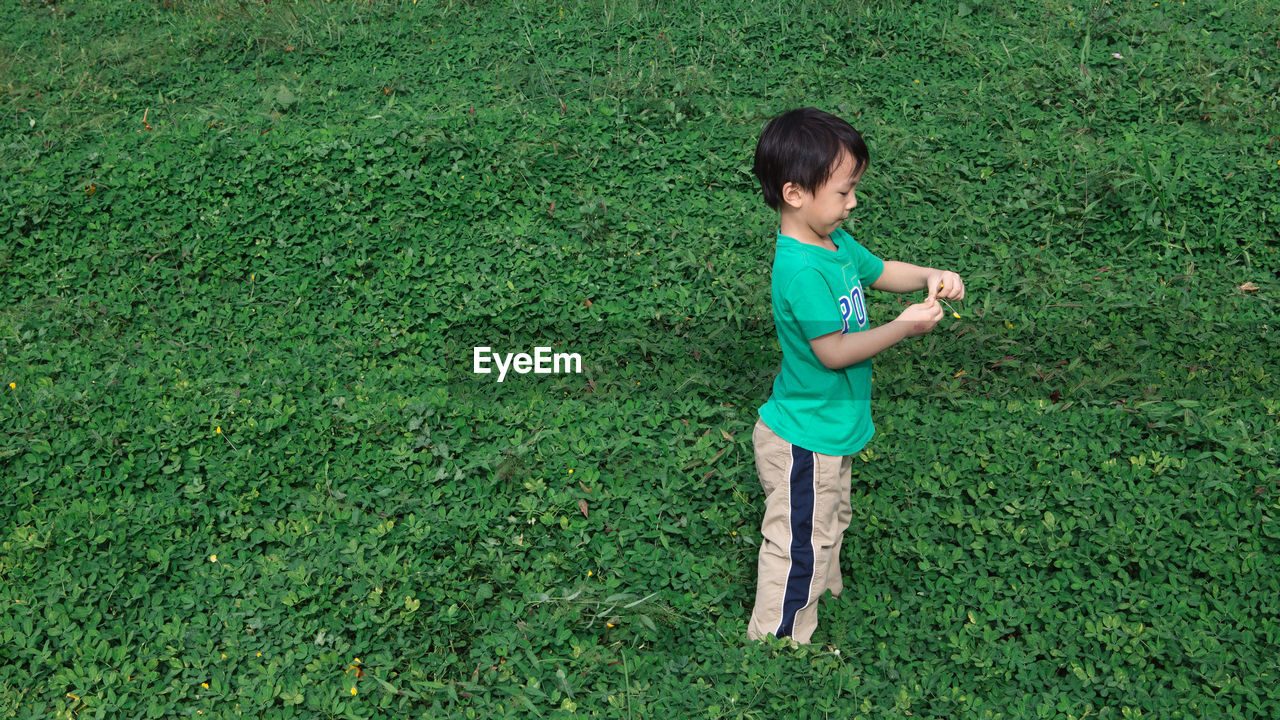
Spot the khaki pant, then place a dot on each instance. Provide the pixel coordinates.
(806, 512)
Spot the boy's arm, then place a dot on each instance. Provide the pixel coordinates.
(836, 350)
(900, 277)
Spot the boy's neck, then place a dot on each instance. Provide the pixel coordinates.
(800, 232)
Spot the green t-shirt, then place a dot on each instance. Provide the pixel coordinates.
(816, 292)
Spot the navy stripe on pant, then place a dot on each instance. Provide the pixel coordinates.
(800, 575)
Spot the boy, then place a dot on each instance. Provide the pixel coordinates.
(819, 414)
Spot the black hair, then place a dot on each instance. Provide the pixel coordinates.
(802, 146)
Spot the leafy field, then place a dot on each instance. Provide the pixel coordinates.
(247, 249)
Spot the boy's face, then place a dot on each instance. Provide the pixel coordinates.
(824, 209)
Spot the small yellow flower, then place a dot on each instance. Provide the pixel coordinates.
(214, 558)
(218, 430)
(224, 656)
(609, 624)
(570, 471)
(259, 654)
(204, 685)
(353, 690)
(13, 386)
(588, 573)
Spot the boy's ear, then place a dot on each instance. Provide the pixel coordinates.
(792, 195)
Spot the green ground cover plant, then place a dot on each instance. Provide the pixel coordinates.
(247, 249)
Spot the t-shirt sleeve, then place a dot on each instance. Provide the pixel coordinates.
(870, 267)
(812, 304)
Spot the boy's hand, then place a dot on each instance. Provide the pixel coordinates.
(944, 284)
(920, 318)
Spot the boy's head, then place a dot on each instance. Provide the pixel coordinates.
(802, 147)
